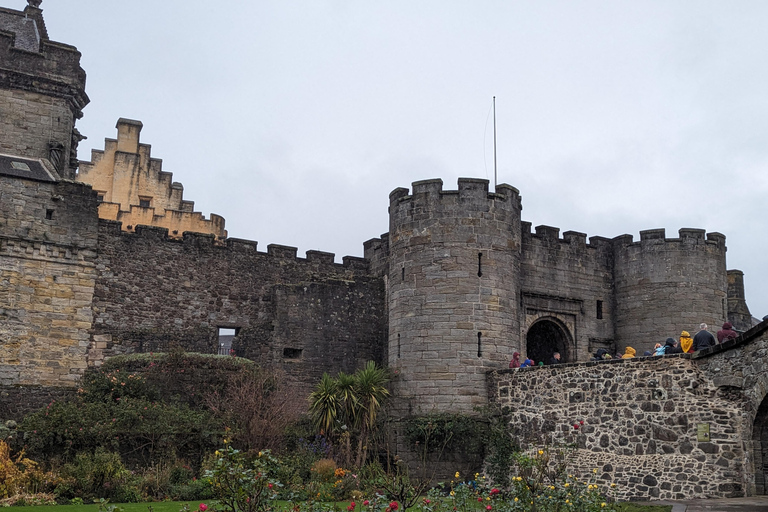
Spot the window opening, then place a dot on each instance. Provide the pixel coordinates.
(479, 344)
(599, 310)
(292, 353)
(20, 166)
(49, 214)
(402, 274)
(480, 264)
(398, 346)
(226, 336)
(145, 202)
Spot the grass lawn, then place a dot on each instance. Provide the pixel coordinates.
(160, 506)
(175, 506)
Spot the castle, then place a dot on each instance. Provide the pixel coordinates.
(113, 260)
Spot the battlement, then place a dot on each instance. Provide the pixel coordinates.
(470, 190)
(551, 235)
(275, 252)
(688, 237)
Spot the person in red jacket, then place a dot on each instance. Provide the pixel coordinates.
(727, 333)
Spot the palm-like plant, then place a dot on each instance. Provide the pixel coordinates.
(350, 401)
(370, 385)
(324, 404)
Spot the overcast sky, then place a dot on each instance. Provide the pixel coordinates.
(294, 120)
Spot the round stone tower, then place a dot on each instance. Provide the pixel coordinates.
(666, 285)
(454, 263)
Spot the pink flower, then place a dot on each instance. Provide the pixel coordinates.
(269, 485)
(581, 422)
(427, 501)
(203, 507)
(366, 503)
(494, 491)
(480, 499)
(393, 505)
(488, 507)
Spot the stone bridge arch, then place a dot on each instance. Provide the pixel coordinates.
(546, 335)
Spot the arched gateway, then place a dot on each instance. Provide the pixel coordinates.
(760, 444)
(545, 337)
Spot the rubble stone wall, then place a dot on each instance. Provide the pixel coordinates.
(666, 427)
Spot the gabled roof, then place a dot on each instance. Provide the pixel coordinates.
(25, 28)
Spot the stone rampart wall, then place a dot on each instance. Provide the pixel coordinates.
(641, 424)
(305, 315)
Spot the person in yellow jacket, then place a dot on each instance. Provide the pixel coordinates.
(629, 353)
(686, 342)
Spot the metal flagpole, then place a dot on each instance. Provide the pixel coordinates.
(495, 177)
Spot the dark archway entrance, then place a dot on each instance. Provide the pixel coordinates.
(544, 338)
(760, 446)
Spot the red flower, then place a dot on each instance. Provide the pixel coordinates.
(351, 508)
(480, 499)
(488, 507)
(426, 501)
(581, 422)
(576, 426)
(366, 503)
(203, 507)
(494, 491)
(393, 505)
(269, 485)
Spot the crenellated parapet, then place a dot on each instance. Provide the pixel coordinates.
(134, 190)
(160, 239)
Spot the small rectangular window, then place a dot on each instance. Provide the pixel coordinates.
(599, 310)
(20, 166)
(100, 198)
(145, 202)
(49, 214)
(226, 335)
(291, 353)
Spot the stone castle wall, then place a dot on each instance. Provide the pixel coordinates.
(47, 277)
(305, 315)
(563, 279)
(645, 418)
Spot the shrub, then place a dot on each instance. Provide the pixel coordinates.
(243, 483)
(324, 470)
(20, 475)
(256, 404)
(146, 431)
(98, 475)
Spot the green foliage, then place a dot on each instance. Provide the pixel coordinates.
(120, 411)
(242, 483)
(436, 432)
(99, 475)
(349, 405)
(148, 431)
(500, 447)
